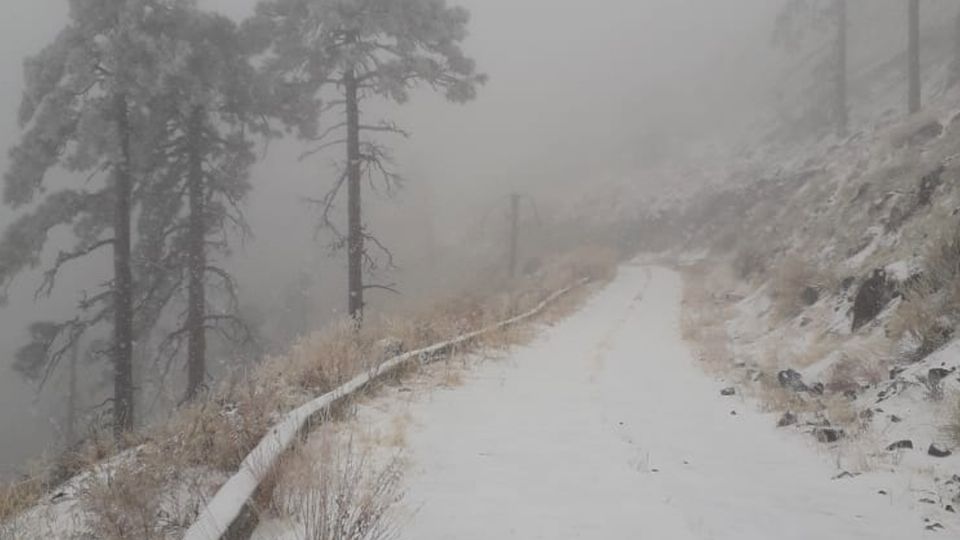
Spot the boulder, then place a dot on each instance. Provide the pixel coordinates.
(905, 444)
(792, 380)
(873, 295)
(828, 434)
(939, 451)
(788, 419)
(728, 391)
(928, 186)
(935, 375)
(809, 296)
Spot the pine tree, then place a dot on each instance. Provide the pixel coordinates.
(913, 56)
(82, 113)
(209, 107)
(798, 21)
(353, 51)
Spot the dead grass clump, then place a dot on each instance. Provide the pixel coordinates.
(796, 284)
(775, 398)
(328, 358)
(332, 493)
(16, 497)
(931, 309)
(867, 363)
(952, 427)
(124, 503)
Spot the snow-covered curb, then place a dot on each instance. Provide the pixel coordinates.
(227, 506)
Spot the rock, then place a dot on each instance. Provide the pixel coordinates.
(939, 451)
(792, 380)
(828, 434)
(924, 133)
(928, 185)
(905, 444)
(935, 375)
(949, 508)
(810, 296)
(788, 419)
(895, 372)
(847, 283)
(728, 391)
(817, 389)
(895, 419)
(872, 296)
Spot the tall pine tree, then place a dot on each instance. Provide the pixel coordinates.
(208, 107)
(83, 111)
(801, 20)
(331, 57)
(914, 101)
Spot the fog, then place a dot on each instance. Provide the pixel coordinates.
(576, 90)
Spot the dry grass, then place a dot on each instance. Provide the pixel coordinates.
(931, 309)
(704, 315)
(17, 496)
(124, 502)
(331, 492)
(864, 363)
(951, 428)
(219, 432)
(792, 278)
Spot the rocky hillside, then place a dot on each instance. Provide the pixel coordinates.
(827, 285)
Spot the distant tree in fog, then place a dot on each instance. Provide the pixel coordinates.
(329, 57)
(801, 19)
(913, 56)
(83, 111)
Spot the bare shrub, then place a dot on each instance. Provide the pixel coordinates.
(16, 497)
(336, 496)
(123, 503)
(863, 363)
(931, 308)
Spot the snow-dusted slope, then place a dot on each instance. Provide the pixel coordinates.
(605, 428)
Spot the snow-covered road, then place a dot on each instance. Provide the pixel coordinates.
(604, 428)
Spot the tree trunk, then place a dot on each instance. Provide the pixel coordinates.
(514, 232)
(123, 279)
(913, 56)
(197, 261)
(841, 111)
(955, 71)
(355, 239)
(70, 435)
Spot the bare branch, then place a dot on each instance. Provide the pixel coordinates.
(50, 276)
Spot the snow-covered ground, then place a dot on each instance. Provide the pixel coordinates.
(604, 427)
